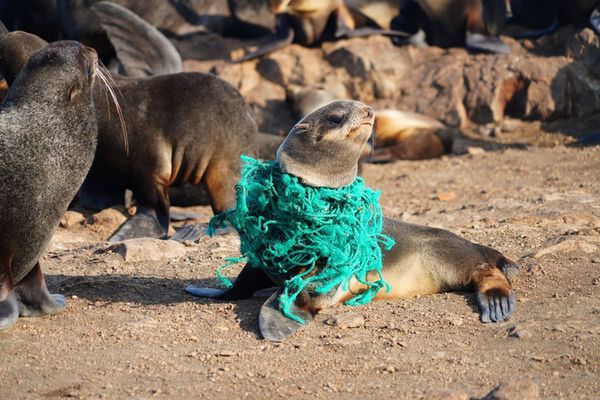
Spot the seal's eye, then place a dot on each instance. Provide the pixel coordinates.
(334, 119)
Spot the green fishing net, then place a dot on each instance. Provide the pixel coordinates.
(318, 237)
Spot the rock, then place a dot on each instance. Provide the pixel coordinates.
(445, 394)
(518, 389)
(148, 249)
(347, 320)
(585, 244)
(110, 217)
(71, 218)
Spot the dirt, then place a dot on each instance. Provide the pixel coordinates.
(130, 330)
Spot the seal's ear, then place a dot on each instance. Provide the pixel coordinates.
(74, 92)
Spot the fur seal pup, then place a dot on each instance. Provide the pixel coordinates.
(47, 142)
(182, 128)
(447, 23)
(323, 150)
(398, 135)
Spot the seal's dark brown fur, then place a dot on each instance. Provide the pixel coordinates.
(47, 143)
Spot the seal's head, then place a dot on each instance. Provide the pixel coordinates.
(59, 72)
(324, 147)
(15, 49)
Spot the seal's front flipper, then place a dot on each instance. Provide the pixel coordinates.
(210, 293)
(484, 43)
(274, 325)
(9, 309)
(496, 306)
(142, 49)
(595, 20)
(189, 232)
(142, 224)
(248, 282)
(33, 297)
(495, 297)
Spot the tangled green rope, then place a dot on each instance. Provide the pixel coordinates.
(285, 227)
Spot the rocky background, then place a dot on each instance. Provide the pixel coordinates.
(550, 84)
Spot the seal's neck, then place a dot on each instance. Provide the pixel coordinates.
(317, 174)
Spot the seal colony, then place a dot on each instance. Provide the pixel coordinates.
(47, 143)
(322, 150)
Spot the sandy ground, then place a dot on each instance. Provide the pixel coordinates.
(130, 331)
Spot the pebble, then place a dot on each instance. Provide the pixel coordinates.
(518, 389)
(347, 320)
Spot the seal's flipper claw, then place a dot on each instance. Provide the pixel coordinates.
(275, 326)
(191, 232)
(484, 43)
(210, 293)
(140, 225)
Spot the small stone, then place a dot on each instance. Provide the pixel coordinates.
(596, 260)
(71, 218)
(518, 389)
(455, 321)
(226, 353)
(475, 151)
(347, 320)
(447, 196)
(148, 249)
(445, 394)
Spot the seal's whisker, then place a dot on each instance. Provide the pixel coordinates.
(109, 85)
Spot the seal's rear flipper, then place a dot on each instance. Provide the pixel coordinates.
(368, 31)
(142, 49)
(142, 224)
(284, 37)
(189, 232)
(484, 43)
(274, 325)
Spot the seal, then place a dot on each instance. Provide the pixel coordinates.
(47, 142)
(181, 128)
(447, 23)
(323, 150)
(398, 135)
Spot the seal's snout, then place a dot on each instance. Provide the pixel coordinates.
(91, 62)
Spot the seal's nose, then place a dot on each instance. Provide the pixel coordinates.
(368, 112)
